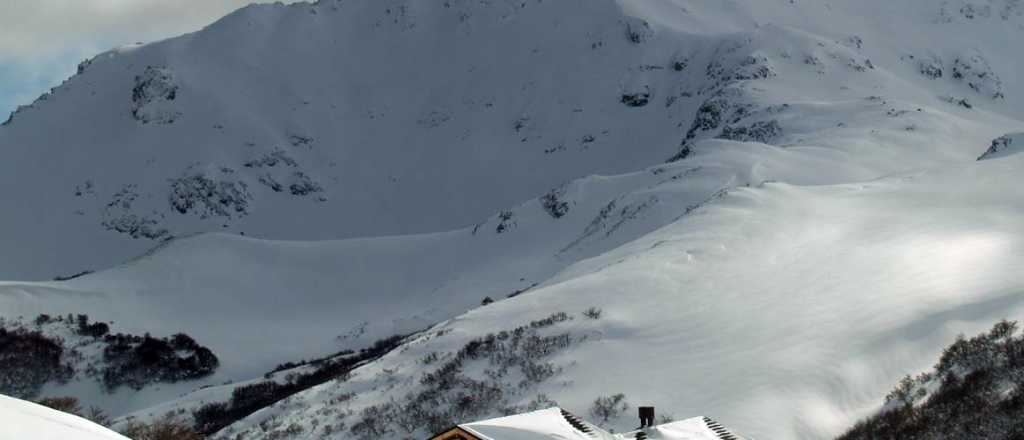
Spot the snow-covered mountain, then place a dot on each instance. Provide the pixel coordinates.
(822, 227)
(333, 120)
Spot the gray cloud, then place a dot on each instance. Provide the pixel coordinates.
(33, 28)
(41, 41)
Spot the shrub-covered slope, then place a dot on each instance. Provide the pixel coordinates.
(50, 353)
(975, 391)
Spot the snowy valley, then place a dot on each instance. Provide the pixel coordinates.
(358, 219)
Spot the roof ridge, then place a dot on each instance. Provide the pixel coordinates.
(719, 430)
(578, 423)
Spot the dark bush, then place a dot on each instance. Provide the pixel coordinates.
(43, 319)
(638, 99)
(137, 362)
(553, 204)
(96, 329)
(161, 430)
(606, 408)
(29, 360)
(71, 405)
(255, 395)
(248, 399)
(449, 395)
(212, 417)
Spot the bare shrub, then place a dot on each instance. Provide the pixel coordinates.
(168, 429)
(976, 390)
(71, 405)
(606, 408)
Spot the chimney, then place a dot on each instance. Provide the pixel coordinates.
(646, 416)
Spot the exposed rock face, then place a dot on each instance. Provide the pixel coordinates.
(153, 96)
(762, 131)
(554, 204)
(753, 67)
(638, 31)
(929, 65)
(302, 185)
(637, 99)
(209, 196)
(1004, 146)
(272, 159)
(974, 69)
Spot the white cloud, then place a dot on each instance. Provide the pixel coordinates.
(41, 41)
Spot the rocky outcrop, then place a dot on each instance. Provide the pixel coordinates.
(207, 196)
(1004, 146)
(762, 131)
(974, 70)
(153, 96)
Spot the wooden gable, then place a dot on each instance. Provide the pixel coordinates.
(455, 433)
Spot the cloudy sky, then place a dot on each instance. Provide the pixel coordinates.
(42, 41)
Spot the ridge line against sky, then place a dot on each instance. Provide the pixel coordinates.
(42, 41)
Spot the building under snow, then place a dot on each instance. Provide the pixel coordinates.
(556, 423)
(21, 420)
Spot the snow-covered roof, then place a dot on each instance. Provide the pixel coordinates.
(551, 423)
(696, 428)
(555, 423)
(25, 420)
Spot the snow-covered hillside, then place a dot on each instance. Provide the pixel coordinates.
(784, 311)
(823, 226)
(24, 420)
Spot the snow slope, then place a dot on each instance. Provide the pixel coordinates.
(825, 229)
(783, 311)
(249, 300)
(24, 420)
